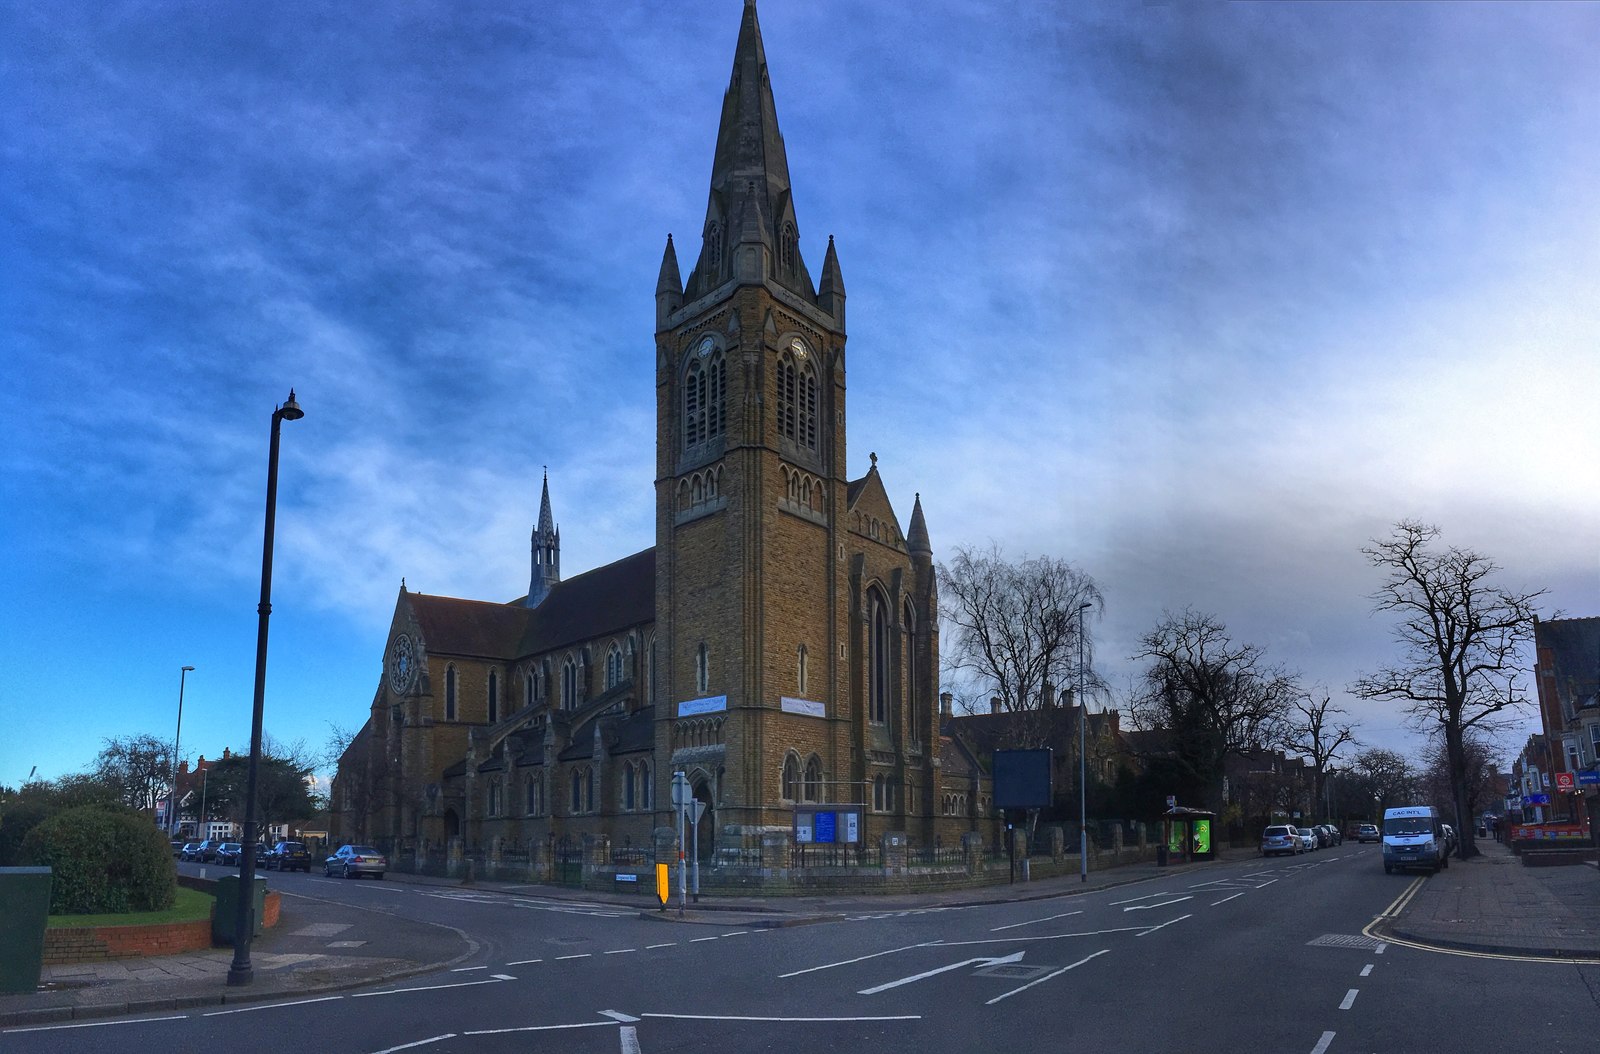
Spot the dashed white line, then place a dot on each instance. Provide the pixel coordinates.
(525, 962)
(538, 1028)
(468, 969)
(1366, 970)
(697, 940)
(1224, 900)
(426, 988)
(730, 1017)
(1132, 900)
(583, 955)
(1382, 947)
(736, 933)
(1349, 999)
(622, 951)
(847, 962)
(1322, 1044)
(669, 944)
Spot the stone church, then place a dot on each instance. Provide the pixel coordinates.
(778, 644)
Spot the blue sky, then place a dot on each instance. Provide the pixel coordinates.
(1199, 297)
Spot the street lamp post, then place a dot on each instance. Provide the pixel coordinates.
(241, 972)
(177, 738)
(1083, 761)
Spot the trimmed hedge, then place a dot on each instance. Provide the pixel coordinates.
(105, 862)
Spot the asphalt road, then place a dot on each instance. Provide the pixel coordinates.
(1251, 955)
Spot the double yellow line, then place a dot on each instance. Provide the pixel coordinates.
(1399, 903)
(1375, 930)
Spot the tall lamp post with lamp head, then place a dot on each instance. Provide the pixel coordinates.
(241, 972)
(1083, 760)
(177, 738)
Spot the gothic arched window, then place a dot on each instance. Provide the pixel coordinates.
(569, 684)
(878, 648)
(702, 668)
(814, 779)
(800, 669)
(790, 790)
(528, 695)
(494, 696)
(704, 389)
(797, 396)
(613, 666)
(450, 693)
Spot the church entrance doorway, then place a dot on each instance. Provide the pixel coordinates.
(452, 824)
(708, 824)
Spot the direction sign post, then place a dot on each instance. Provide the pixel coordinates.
(696, 808)
(680, 796)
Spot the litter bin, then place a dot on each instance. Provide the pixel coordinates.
(225, 916)
(1161, 856)
(24, 907)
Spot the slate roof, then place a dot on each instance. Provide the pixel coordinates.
(615, 597)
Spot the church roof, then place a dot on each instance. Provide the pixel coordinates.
(617, 596)
(614, 597)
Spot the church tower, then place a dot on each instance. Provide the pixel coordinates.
(546, 545)
(752, 587)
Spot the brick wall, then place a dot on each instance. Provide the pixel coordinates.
(76, 944)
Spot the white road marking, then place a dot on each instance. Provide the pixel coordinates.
(1047, 977)
(525, 962)
(1012, 958)
(407, 1046)
(273, 1006)
(617, 1015)
(1224, 900)
(539, 1028)
(731, 1017)
(1034, 922)
(468, 969)
(630, 1040)
(1366, 971)
(1169, 922)
(1382, 947)
(1049, 937)
(622, 951)
(669, 944)
(92, 1024)
(697, 940)
(1322, 1044)
(503, 977)
(581, 955)
(1163, 904)
(1349, 999)
(736, 933)
(424, 988)
(847, 962)
(1147, 896)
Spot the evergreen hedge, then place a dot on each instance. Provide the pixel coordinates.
(105, 861)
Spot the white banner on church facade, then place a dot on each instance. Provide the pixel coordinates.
(712, 704)
(809, 707)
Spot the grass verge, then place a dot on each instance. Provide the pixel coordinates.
(190, 906)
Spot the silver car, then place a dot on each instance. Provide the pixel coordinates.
(353, 861)
(1308, 838)
(1280, 838)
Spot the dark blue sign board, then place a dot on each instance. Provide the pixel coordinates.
(1536, 799)
(1022, 779)
(1588, 776)
(823, 827)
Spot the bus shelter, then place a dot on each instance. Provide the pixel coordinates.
(1186, 835)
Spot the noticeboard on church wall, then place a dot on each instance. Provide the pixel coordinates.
(824, 824)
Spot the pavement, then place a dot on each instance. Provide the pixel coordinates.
(1491, 904)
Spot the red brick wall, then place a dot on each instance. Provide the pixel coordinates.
(76, 944)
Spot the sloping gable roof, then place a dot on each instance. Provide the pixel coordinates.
(476, 628)
(614, 597)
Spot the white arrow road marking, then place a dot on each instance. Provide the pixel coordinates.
(1163, 904)
(1014, 957)
(630, 1040)
(617, 1015)
(1047, 977)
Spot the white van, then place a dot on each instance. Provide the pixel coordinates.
(1413, 837)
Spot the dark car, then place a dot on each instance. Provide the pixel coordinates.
(289, 856)
(190, 851)
(353, 861)
(206, 851)
(229, 854)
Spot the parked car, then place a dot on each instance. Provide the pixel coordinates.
(289, 856)
(190, 851)
(1369, 833)
(353, 861)
(1280, 838)
(1334, 837)
(1308, 838)
(1449, 838)
(1320, 833)
(229, 854)
(206, 851)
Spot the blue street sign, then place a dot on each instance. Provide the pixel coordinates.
(1588, 776)
(1536, 799)
(823, 827)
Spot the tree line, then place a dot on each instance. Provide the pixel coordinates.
(1017, 630)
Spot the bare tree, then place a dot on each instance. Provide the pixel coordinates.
(139, 767)
(1213, 696)
(1461, 641)
(1313, 729)
(1380, 779)
(1017, 624)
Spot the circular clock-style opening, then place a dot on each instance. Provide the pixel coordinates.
(706, 347)
(799, 347)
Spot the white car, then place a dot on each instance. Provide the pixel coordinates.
(1308, 838)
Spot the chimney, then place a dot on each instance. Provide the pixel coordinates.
(225, 754)
(994, 704)
(1049, 695)
(946, 706)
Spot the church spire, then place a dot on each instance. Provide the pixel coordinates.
(750, 232)
(669, 287)
(546, 550)
(917, 536)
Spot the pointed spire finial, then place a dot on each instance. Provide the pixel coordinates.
(917, 535)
